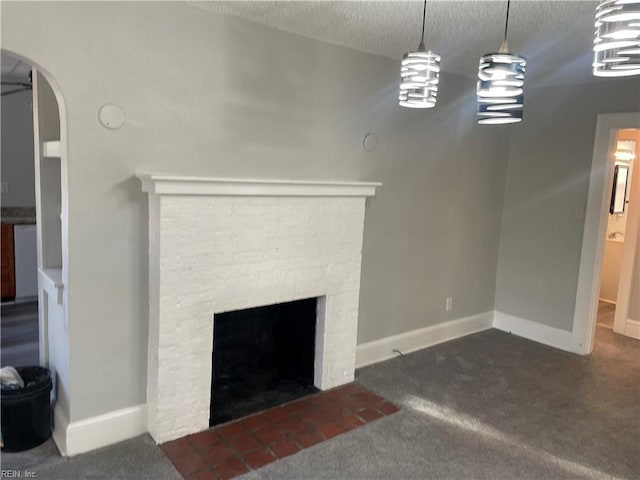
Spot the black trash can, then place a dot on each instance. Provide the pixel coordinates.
(26, 412)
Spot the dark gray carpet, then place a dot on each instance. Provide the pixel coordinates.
(19, 334)
(492, 405)
(135, 459)
(489, 405)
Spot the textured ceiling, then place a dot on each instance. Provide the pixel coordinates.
(556, 37)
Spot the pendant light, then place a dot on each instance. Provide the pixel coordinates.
(500, 84)
(617, 38)
(419, 75)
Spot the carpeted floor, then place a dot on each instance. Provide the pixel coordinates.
(19, 334)
(490, 405)
(135, 459)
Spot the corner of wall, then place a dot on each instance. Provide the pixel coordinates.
(538, 332)
(502, 215)
(100, 431)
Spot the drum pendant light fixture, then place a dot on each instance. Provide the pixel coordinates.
(419, 75)
(501, 84)
(616, 45)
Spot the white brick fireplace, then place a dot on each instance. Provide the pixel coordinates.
(219, 245)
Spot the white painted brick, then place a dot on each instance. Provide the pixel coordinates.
(211, 254)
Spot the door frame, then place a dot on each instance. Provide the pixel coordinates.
(595, 225)
(622, 324)
(53, 286)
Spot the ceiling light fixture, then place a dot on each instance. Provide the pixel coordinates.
(617, 39)
(623, 155)
(625, 150)
(501, 84)
(419, 75)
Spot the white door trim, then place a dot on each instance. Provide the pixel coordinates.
(628, 256)
(593, 238)
(53, 283)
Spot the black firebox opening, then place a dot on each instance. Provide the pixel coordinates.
(262, 357)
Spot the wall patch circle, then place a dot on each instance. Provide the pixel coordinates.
(111, 116)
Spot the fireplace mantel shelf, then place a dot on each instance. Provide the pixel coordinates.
(177, 185)
(222, 245)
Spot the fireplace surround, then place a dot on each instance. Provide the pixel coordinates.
(218, 245)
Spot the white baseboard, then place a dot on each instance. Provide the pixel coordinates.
(103, 430)
(96, 432)
(60, 425)
(632, 329)
(383, 349)
(604, 300)
(554, 337)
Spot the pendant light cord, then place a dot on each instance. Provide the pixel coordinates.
(506, 23)
(424, 15)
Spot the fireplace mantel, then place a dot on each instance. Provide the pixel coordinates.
(219, 245)
(178, 185)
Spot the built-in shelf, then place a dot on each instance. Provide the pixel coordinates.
(174, 185)
(51, 149)
(51, 279)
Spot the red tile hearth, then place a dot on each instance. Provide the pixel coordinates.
(249, 443)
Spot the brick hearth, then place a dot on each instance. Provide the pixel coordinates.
(249, 443)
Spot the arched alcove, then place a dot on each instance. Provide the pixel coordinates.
(51, 205)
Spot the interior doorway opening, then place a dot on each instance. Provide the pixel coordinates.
(610, 164)
(617, 298)
(19, 310)
(41, 336)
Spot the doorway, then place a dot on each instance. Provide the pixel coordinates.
(19, 309)
(47, 325)
(609, 258)
(619, 244)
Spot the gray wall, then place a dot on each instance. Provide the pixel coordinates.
(217, 96)
(432, 231)
(545, 197)
(16, 150)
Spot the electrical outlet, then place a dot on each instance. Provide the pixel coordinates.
(448, 304)
(5, 187)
